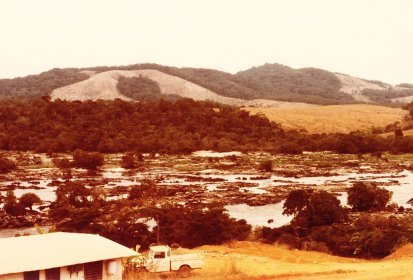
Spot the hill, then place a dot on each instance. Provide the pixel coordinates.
(104, 86)
(259, 85)
(334, 118)
(309, 85)
(250, 260)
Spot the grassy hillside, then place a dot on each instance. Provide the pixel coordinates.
(335, 118)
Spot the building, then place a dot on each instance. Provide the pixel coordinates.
(61, 256)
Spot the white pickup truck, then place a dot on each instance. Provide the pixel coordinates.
(160, 259)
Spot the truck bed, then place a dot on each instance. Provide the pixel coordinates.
(192, 260)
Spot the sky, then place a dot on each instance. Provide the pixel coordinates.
(371, 39)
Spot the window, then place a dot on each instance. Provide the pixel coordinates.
(93, 270)
(31, 275)
(159, 255)
(53, 274)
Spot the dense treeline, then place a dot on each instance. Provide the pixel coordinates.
(161, 126)
(115, 126)
(127, 221)
(386, 96)
(38, 85)
(310, 85)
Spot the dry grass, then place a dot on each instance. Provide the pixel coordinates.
(252, 260)
(334, 118)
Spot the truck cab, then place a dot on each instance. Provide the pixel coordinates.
(161, 259)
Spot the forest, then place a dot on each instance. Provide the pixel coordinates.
(167, 127)
(35, 86)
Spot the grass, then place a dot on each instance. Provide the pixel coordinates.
(334, 118)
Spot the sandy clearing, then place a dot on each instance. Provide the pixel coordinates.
(334, 118)
(354, 86)
(247, 260)
(103, 86)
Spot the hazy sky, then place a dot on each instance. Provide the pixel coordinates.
(371, 39)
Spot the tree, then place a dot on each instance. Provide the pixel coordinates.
(74, 194)
(195, 227)
(28, 199)
(366, 197)
(314, 209)
(296, 202)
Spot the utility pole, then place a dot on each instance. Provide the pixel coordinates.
(158, 230)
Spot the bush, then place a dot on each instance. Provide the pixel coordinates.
(11, 206)
(90, 161)
(369, 236)
(146, 189)
(28, 199)
(132, 161)
(366, 197)
(62, 163)
(6, 165)
(265, 166)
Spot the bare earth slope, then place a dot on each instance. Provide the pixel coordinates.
(103, 86)
(334, 118)
(250, 260)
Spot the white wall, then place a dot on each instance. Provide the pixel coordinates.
(65, 275)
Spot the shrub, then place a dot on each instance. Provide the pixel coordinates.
(28, 199)
(146, 189)
(90, 161)
(6, 165)
(265, 166)
(62, 163)
(132, 161)
(11, 206)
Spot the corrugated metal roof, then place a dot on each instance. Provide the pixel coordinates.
(38, 252)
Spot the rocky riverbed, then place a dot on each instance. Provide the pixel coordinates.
(231, 180)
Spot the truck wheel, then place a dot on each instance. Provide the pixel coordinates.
(184, 271)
